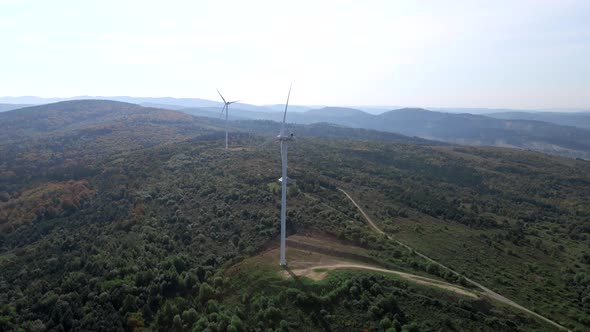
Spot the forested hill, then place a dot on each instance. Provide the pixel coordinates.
(327, 130)
(574, 119)
(568, 140)
(67, 140)
(70, 140)
(99, 232)
(82, 114)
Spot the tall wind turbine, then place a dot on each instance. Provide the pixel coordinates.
(284, 138)
(226, 109)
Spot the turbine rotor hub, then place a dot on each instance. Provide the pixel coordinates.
(286, 137)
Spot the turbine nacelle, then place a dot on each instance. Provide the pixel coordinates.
(289, 180)
(289, 137)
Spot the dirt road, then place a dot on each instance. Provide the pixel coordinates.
(312, 272)
(486, 290)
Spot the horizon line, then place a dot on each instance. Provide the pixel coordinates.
(545, 108)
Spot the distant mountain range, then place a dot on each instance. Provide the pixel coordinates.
(160, 102)
(129, 126)
(466, 129)
(180, 103)
(579, 119)
(565, 134)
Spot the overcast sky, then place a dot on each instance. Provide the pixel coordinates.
(512, 54)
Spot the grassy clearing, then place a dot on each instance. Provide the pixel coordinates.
(339, 294)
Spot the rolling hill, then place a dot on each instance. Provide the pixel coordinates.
(577, 119)
(157, 102)
(80, 114)
(480, 130)
(69, 137)
(564, 134)
(465, 129)
(63, 139)
(180, 102)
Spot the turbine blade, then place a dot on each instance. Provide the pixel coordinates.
(221, 97)
(222, 110)
(285, 114)
(235, 101)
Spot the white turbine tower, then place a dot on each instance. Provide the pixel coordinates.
(226, 109)
(284, 138)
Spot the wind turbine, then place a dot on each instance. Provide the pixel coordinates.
(226, 108)
(284, 180)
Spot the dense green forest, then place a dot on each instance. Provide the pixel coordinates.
(137, 219)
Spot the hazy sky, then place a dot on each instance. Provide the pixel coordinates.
(520, 54)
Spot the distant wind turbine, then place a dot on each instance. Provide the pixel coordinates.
(226, 109)
(284, 180)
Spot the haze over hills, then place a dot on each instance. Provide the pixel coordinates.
(10, 107)
(466, 129)
(480, 130)
(81, 115)
(574, 119)
(179, 103)
(565, 134)
(161, 102)
(182, 102)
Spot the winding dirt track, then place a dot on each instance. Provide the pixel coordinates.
(311, 273)
(486, 290)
